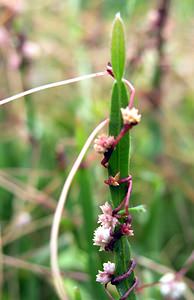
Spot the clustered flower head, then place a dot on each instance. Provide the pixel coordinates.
(130, 116)
(106, 275)
(106, 219)
(103, 143)
(127, 230)
(102, 235)
(171, 286)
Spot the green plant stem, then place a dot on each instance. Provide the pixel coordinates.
(119, 162)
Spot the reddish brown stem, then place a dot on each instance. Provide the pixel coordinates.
(125, 202)
(108, 154)
(125, 296)
(124, 276)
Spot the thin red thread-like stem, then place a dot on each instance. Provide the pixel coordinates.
(131, 87)
(125, 296)
(128, 83)
(123, 276)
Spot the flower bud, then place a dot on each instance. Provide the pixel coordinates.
(130, 116)
(103, 143)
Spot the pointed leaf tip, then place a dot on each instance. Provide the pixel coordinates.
(118, 47)
(118, 15)
(77, 294)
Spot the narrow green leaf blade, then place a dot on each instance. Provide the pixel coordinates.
(119, 162)
(77, 294)
(118, 48)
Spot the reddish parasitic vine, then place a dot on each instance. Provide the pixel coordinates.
(130, 119)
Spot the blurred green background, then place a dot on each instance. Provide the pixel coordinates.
(41, 135)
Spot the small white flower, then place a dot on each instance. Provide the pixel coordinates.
(109, 267)
(171, 286)
(130, 116)
(105, 276)
(106, 209)
(106, 219)
(102, 143)
(102, 237)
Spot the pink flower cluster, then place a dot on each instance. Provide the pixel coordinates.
(106, 219)
(102, 235)
(106, 275)
(102, 143)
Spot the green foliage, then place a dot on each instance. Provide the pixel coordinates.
(119, 161)
(77, 294)
(118, 48)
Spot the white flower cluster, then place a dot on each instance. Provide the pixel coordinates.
(171, 286)
(130, 116)
(106, 275)
(102, 235)
(102, 143)
(106, 219)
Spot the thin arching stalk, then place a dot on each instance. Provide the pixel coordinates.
(57, 278)
(51, 85)
(1, 266)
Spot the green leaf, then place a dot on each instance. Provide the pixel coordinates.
(136, 209)
(118, 48)
(119, 162)
(77, 294)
